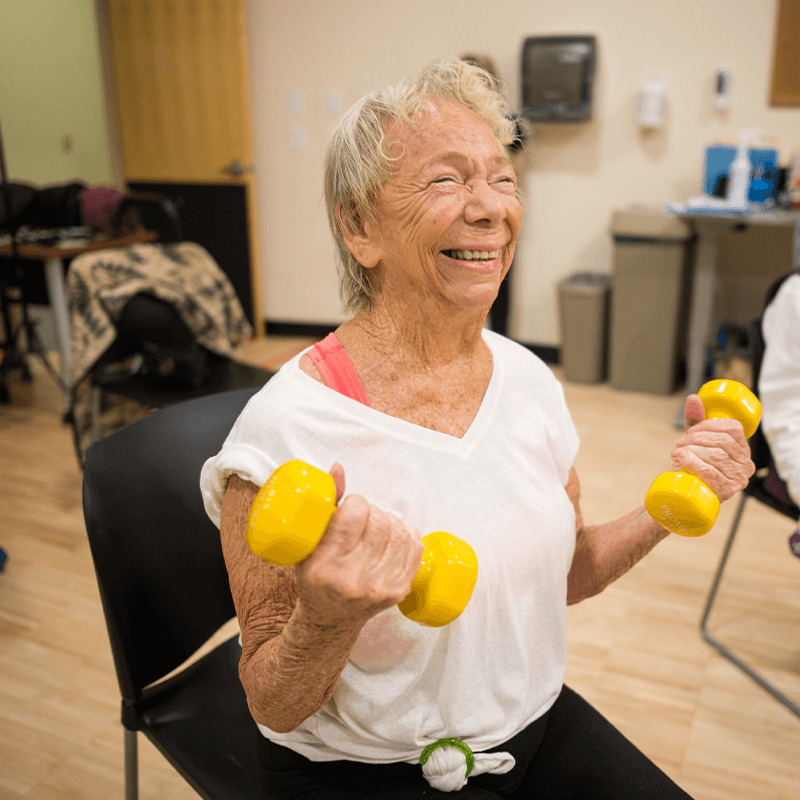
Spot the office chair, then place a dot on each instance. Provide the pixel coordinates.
(165, 592)
(148, 322)
(155, 359)
(153, 212)
(766, 487)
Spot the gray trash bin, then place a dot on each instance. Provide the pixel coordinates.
(583, 310)
(648, 315)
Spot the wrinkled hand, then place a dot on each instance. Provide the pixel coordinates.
(364, 563)
(714, 450)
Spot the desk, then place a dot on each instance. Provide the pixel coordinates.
(53, 257)
(709, 228)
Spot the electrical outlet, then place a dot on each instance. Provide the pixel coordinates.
(297, 103)
(299, 137)
(334, 103)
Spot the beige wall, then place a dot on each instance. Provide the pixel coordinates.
(576, 175)
(51, 87)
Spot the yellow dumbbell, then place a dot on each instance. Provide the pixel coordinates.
(292, 510)
(681, 502)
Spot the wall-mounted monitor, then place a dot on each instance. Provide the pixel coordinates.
(557, 78)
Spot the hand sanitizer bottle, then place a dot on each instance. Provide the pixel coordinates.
(739, 176)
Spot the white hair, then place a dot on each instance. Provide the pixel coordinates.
(358, 160)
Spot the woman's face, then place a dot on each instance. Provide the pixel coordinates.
(447, 220)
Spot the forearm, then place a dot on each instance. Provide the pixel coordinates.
(294, 674)
(299, 623)
(605, 552)
(289, 666)
(714, 450)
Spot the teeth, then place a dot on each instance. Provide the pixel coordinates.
(474, 255)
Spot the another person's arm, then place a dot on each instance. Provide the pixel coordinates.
(300, 623)
(716, 451)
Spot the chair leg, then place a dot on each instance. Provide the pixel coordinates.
(131, 766)
(723, 649)
(723, 561)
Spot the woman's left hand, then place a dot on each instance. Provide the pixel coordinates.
(714, 450)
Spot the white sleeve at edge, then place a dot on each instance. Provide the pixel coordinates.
(246, 461)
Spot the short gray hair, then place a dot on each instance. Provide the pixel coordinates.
(358, 160)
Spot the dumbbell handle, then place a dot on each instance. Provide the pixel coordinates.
(681, 502)
(292, 510)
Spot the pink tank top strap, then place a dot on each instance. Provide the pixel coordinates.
(336, 369)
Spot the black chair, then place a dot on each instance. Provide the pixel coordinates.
(144, 317)
(149, 322)
(155, 359)
(165, 592)
(766, 487)
(153, 212)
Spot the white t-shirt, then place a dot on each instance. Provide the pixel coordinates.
(779, 382)
(500, 665)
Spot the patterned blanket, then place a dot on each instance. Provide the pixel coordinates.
(99, 284)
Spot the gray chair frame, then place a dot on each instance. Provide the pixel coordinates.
(767, 488)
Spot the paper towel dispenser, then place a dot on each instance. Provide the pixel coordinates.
(558, 77)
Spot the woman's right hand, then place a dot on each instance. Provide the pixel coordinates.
(364, 563)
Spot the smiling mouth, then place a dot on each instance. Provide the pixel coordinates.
(472, 255)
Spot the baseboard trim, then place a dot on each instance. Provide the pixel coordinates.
(310, 330)
(550, 354)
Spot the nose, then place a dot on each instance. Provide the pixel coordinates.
(486, 205)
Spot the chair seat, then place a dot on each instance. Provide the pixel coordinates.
(198, 720)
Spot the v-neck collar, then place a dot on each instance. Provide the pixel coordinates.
(410, 430)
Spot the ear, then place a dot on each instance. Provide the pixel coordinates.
(363, 242)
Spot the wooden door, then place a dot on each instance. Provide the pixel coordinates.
(786, 58)
(182, 93)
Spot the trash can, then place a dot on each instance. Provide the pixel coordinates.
(650, 300)
(583, 311)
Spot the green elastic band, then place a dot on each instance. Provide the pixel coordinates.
(457, 743)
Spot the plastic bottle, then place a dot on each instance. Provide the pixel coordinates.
(739, 175)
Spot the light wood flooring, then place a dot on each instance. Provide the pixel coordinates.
(634, 652)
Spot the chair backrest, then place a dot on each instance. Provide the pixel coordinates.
(152, 211)
(759, 449)
(770, 489)
(157, 556)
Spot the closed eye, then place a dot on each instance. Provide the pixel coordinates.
(506, 184)
(445, 179)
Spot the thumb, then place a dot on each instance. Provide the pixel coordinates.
(694, 411)
(337, 473)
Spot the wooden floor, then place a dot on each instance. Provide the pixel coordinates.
(634, 652)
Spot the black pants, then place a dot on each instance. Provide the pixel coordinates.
(573, 752)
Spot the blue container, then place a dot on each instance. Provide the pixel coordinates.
(764, 177)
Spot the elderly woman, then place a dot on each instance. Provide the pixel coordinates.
(436, 424)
